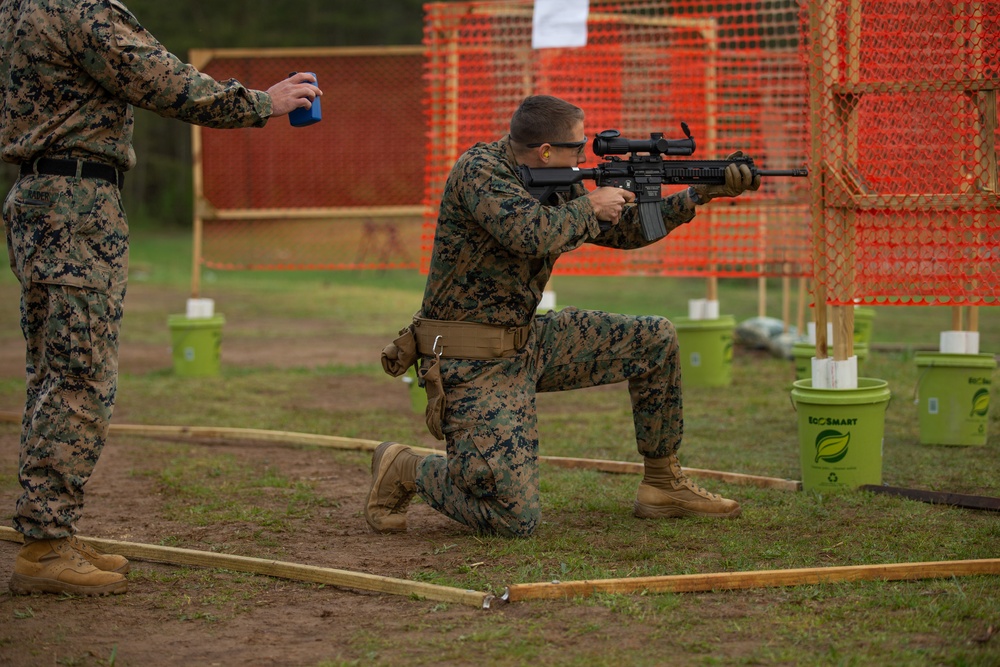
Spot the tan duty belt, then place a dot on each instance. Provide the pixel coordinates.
(467, 340)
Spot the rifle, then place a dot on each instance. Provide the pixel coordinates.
(643, 173)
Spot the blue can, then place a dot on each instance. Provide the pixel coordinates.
(304, 117)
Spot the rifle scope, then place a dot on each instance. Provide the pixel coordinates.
(611, 142)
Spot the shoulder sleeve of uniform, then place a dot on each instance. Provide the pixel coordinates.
(128, 61)
(110, 43)
(119, 7)
(493, 196)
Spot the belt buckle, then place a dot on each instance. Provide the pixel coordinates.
(517, 337)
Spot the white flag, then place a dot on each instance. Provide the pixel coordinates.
(559, 23)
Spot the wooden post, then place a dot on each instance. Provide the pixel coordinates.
(845, 114)
(833, 116)
(761, 296)
(712, 288)
(819, 312)
(823, 52)
(986, 125)
(199, 199)
(786, 301)
(800, 317)
(843, 332)
(711, 37)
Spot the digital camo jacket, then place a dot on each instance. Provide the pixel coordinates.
(495, 245)
(71, 69)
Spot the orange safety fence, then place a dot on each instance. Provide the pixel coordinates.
(344, 193)
(904, 151)
(731, 70)
(891, 103)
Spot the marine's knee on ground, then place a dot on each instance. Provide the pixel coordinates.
(505, 524)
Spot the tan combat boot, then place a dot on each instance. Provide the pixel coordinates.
(102, 561)
(394, 474)
(54, 566)
(665, 491)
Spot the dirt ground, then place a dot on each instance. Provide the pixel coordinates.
(200, 616)
(197, 616)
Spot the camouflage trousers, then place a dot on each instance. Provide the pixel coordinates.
(67, 239)
(489, 479)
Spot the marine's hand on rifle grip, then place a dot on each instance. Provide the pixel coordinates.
(739, 179)
(609, 202)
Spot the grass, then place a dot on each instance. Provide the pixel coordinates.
(587, 530)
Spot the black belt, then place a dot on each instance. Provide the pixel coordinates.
(79, 168)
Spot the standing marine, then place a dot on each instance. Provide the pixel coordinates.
(70, 73)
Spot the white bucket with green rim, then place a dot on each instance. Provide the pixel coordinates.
(706, 350)
(196, 344)
(953, 397)
(840, 434)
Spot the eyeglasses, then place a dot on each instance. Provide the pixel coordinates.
(578, 145)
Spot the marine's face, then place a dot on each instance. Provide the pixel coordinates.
(571, 152)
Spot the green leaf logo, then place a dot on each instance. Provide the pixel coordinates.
(980, 403)
(831, 446)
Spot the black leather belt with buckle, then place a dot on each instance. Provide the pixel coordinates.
(79, 168)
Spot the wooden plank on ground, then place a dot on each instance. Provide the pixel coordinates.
(718, 581)
(283, 570)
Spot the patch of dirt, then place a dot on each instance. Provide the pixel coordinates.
(207, 621)
(176, 615)
(197, 616)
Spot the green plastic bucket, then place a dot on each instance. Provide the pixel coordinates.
(840, 434)
(196, 344)
(953, 397)
(802, 354)
(863, 318)
(706, 350)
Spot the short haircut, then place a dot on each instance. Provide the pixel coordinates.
(544, 118)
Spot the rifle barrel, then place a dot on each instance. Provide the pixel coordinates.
(783, 172)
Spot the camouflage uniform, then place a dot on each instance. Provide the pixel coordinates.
(69, 72)
(494, 250)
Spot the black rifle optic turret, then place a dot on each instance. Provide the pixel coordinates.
(643, 173)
